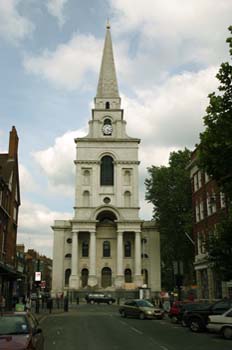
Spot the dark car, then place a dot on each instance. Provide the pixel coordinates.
(197, 318)
(140, 308)
(20, 330)
(99, 298)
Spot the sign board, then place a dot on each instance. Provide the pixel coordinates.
(37, 276)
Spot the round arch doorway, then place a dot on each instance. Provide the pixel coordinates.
(106, 277)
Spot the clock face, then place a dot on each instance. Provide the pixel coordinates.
(107, 129)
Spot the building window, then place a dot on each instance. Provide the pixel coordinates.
(222, 200)
(127, 177)
(107, 105)
(127, 249)
(69, 240)
(106, 249)
(106, 277)
(127, 199)
(67, 275)
(106, 200)
(68, 256)
(107, 171)
(86, 177)
(85, 248)
(84, 277)
(128, 276)
(86, 197)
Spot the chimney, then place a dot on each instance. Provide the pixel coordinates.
(13, 143)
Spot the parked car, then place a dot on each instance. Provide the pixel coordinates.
(20, 330)
(140, 308)
(196, 319)
(99, 298)
(221, 324)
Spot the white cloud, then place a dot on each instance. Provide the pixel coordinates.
(69, 65)
(34, 228)
(55, 8)
(13, 26)
(57, 162)
(177, 29)
(27, 183)
(170, 114)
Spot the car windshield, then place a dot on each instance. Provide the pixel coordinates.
(13, 325)
(144, 303)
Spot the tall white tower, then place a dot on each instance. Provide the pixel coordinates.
(103, 240)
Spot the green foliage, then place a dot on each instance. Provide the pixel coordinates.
(220, 248)
(215, 149)
(169, 189)
(215, 157)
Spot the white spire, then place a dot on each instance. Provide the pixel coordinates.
(107, 84)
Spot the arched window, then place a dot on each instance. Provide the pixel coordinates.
(107, 171)
(144, 273)
(68, 256)
(127, 198)
(66, 277)
(106, 249)
(106, 277)
(127, 177)
(86, 198)
(85, 248)
(107, 121)
(128, 276)
(69, 240)
(127, 249)
(107, 105)
(84, 277)
(86, 179)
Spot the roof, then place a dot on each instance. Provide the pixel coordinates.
(107, 84)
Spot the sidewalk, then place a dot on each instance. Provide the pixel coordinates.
(44, 312)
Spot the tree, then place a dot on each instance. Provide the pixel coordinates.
(168, 188)
(220, 248)
(215, 157)
(215, 149)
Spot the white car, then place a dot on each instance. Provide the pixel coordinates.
(221, 324)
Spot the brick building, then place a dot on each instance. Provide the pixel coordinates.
(208, 204)
(9, 207)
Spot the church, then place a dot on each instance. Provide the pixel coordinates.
(106, 246)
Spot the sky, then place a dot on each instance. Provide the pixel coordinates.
(167, 53)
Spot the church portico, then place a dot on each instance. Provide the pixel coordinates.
(101, 247)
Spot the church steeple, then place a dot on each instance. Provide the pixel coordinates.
(107, 90)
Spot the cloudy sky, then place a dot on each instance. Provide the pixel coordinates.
(167, 53)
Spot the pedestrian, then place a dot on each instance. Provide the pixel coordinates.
(49, 305)
(2, 303)
(28, 304)
(66, 303)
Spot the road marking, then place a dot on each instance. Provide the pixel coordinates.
(136, 330)
(124, 323)
(163, 347)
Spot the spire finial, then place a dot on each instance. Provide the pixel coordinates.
(108, 24)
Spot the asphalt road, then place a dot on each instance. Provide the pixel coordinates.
(100, 327)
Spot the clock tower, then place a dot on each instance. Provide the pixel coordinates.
(105, 240)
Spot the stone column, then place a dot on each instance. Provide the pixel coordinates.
(119, 280)
(74, 278)
(92, 281)
(138, 279)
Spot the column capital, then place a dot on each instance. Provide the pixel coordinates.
(92, 232)
(75, 232)
(120, 232)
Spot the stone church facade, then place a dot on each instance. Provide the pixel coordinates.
(106, 246)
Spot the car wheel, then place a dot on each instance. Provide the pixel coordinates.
(91, 301)
(123, 314)
(142, 316)
(110, 302)
(227, 332)
(195, 325)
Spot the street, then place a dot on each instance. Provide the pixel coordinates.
(100, 327)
